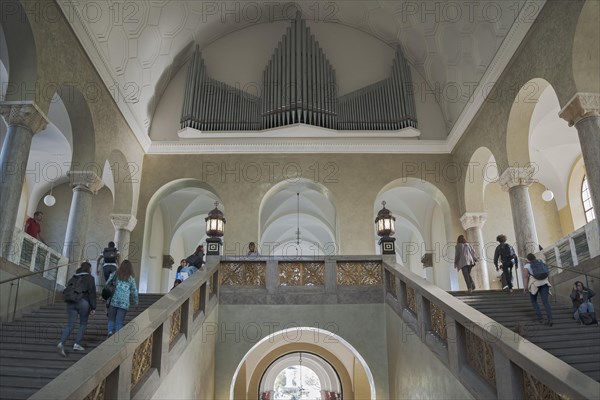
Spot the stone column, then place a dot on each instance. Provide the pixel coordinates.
(24, 119)
(583, 111)
(124, 224)
(473, 224)
(516, 181)
(85, 185)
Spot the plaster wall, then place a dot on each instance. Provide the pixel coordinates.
(546, 216)
(193, 375)
(414, 371)
(546, 53)
(499, 221)
(61, 60)
(353, 180)
(359, 324)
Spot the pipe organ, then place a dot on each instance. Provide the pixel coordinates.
(299, 87)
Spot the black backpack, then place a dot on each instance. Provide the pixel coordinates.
(539, 270)
(75, 289)
(110, 255)
(507, 253)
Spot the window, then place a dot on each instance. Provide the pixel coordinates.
(588, 208)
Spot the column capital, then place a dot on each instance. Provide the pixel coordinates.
(123, 221)
(24, 113)
(517, 176)
(473, 220)
(580, 106)
(86, 179)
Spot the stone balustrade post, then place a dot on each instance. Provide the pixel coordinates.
(24, 119)
(473, 224)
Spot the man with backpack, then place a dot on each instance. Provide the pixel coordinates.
(506, 254)
(80, 296)
(110, 255)
(536, 281)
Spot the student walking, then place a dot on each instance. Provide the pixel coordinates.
(125, 288)
(506, 254)
(536, 282)
(464, 260)
(80, 296)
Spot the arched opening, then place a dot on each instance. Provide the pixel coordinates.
(298, 219)
(422, 226)
(175, 226)
(337, 364)
(300, 375)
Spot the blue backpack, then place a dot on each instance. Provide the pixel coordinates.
(539, 270)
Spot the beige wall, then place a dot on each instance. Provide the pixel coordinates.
(361, 325)
(414, 371)
(193, 375)
(354, 184)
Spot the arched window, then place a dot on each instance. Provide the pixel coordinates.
(588, 207)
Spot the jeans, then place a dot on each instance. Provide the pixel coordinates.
(108, 269)
(507, 273)
(116, 318)
(81, 308)
(466, 270)
(543, 292)
(583, 308)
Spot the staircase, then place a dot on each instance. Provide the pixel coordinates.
(29, 358)
(577, 345)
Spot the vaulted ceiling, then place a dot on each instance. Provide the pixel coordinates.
(136, 46)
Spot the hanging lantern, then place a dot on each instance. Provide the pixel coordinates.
(386, 227)
(215, 227)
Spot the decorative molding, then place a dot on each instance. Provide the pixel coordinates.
(24, 113)
(86, 179)
(581, 106)
(257, 145)
(519, 29)
(473, 220)
(517, 176)
(123, 221)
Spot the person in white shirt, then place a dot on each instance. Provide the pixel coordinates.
(535, 282)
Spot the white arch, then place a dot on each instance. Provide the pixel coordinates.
(310, 335)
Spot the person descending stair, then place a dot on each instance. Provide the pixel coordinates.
(80, 296)
(535, 281)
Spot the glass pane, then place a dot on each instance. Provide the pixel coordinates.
(297, 382)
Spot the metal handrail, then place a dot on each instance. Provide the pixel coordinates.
(571, 269)
(39, 272)
(18, 279)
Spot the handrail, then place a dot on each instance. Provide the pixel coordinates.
(38, 272)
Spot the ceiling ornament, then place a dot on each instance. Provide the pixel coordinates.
(299, 87)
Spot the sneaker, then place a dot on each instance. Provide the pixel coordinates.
(549, 323)
(78, 347)
(505, 287)
(61, 349)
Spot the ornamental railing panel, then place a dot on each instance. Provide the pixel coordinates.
(301, 274)
(175, 325)
(243, 274)
(359, 273)
(142, 361)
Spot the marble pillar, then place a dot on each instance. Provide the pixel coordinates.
(583, 112)
(516, 181)
(473, 224)
(124, 224)
(24, 119)
(85, 185)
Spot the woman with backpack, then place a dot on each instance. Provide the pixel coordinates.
(580, 296)
(536, 282)
(464, 260)
(125, 287)
(80, 296)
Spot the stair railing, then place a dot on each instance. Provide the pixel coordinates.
(490, 360)
(47, 279)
